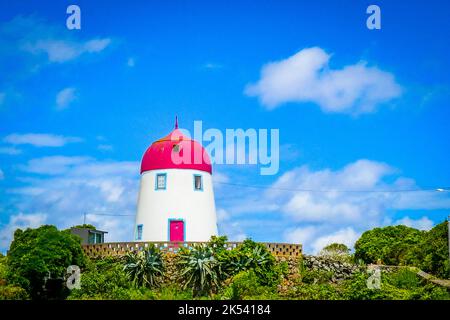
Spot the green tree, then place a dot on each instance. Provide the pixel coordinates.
(390, 244)
(431, 255)
(337, 251)
(37, 253)
(85, 226)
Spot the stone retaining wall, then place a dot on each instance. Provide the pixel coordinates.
(341, 270)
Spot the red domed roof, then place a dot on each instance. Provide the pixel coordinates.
(170, 153)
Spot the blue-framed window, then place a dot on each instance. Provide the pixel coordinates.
(139, 231)
(198, 182)
(160, 181)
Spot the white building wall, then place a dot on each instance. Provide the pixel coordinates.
(178, 201)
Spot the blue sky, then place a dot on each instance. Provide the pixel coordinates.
(79, 107)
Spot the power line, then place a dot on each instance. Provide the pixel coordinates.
(437, 189)
(104, 214)
(108, 214)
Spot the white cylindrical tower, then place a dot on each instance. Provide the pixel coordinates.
(176, 200)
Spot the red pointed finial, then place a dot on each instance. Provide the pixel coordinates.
(176, 122)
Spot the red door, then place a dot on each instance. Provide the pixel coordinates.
(176, 230)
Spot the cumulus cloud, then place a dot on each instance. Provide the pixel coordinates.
(65, 97)
(67, 187)
(39, 139)
(315, 238)
(326, 202)
(19, 221)
(318, 206)
(423, 223)
(307, 77)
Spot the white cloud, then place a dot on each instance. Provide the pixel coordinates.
(67, 187)
(19, 221)
(333, 205)
(60, 51)
(306, 77)
(65, 97)
(232, 229)
(39, 139)
(315, 238)
(347, 236)
(105, 147)
(302, 235)
(10, 151)
(131, 62)
(327, 203)
(211, 66)
(38, 38)
(54, 164)
(423, 223)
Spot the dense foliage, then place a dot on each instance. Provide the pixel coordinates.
(337, 251)
(144, 268)
(248, 255)
(401, 245)
(85, 226)
(38, 253)
(388, 245)
(214, 271)
(432, 254)
(105, 279)
(200, 269)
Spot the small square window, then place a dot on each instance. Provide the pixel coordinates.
(160, 181)
(139, 232)
(198, 183)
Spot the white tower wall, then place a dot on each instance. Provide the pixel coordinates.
(178, 201)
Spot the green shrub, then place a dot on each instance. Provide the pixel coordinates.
(200, 269)
(356, 289)
(316, 291)
(13, 293)
(145, 268)
(429, 291)
(3, 268)
(35, 253)
(403, 279)
(173, 293)
(105, 279)
(244, 285)
(250, 255)
(316, 276)
(390, 244)
(431, 255)
(337, 251)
